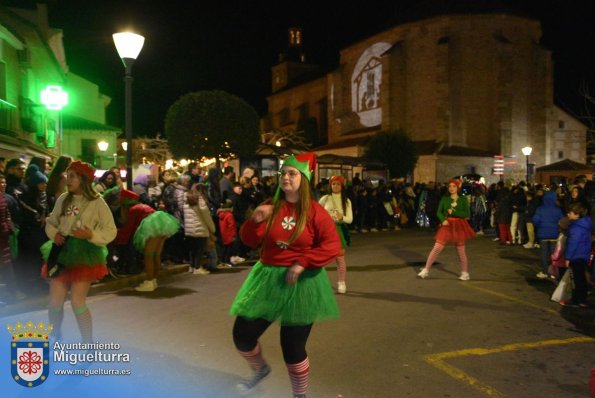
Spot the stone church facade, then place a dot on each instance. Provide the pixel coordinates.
(464, 87)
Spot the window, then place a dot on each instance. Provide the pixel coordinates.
(88, 149)
(284, 117)
(560, 154)
(561, 124)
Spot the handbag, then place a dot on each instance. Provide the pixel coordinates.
(563, 291)
(54, 267)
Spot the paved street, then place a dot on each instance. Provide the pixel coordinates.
(497, 335)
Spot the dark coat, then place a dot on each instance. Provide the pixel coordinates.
(547, 216)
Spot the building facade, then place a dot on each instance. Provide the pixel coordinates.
(464, 87)
(32, 57)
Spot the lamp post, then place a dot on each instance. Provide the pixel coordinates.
(54, 99)
(128, 45)
(102, 145)
(527, 152)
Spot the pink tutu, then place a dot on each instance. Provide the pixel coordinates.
(457, 230)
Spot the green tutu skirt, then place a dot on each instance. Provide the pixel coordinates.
(159, 223)
(83, 260)
(266, 295)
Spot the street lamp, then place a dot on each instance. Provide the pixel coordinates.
(527, 152)
(128, 45)
(102, 145)
(54, 99)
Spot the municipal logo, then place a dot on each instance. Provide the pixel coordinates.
(30, 353)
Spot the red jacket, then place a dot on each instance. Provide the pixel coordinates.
(227, 226)
(136, 214)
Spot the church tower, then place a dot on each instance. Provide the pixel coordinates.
(292, 61)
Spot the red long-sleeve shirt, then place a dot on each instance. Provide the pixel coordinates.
(316, 247)
(136, 214)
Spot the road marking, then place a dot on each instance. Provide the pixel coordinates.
(510, 298)
(438, 360)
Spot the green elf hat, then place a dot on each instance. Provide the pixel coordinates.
(304, 162)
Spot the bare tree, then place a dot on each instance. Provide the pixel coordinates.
(291, 139)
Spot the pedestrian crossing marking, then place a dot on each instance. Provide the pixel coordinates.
(438, 360)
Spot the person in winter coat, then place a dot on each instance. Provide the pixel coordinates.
(578, 252)
(229, 233)
(503, 215)
(545, 221)
(198, 226)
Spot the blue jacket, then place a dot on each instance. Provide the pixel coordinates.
(578, 243)
(547, 216)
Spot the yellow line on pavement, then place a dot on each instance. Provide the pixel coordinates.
(509, 298)
(437, 360)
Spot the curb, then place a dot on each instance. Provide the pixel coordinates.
(39, 303)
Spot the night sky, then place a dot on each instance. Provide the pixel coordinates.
(231, 45)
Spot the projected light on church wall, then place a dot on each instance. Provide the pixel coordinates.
(365, 85)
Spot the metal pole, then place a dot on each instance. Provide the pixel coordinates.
(128, 123)
(527, 166)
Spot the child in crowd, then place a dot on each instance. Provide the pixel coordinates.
(229, 234)
(578, 252)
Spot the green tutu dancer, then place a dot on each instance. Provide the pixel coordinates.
(150, 228)
(297, 239)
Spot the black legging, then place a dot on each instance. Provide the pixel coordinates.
(293, 338)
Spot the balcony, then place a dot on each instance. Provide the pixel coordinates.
(8, 118)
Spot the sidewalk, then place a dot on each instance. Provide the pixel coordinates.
(39, 301)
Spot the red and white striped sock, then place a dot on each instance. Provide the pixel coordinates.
(463, 258)
(341, 269)
(298, 374)
(254, 357)
(434, 255)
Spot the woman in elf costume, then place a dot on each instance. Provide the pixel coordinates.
(297, 238)
(453, 212)
(81, 225)
(339, 207)
(148, 230)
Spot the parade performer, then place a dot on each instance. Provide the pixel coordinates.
(148, 230)
(297, 238)
(339, 207)
(453, 212)
(79, 228)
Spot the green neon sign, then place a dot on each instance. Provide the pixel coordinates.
(54, 98)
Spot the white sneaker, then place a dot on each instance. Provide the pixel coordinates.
(373, 230)
(363, 230)
(201, 271)
(495, 239)
(236, 260)
(479, 233)
(146, 286)
(423, 274)
(536, 245)
(528, 245)
(541, 275)
(341, 288)
(464, 276)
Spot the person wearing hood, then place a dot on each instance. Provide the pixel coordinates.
(578, 253)
(141, 187)
(546, 219)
